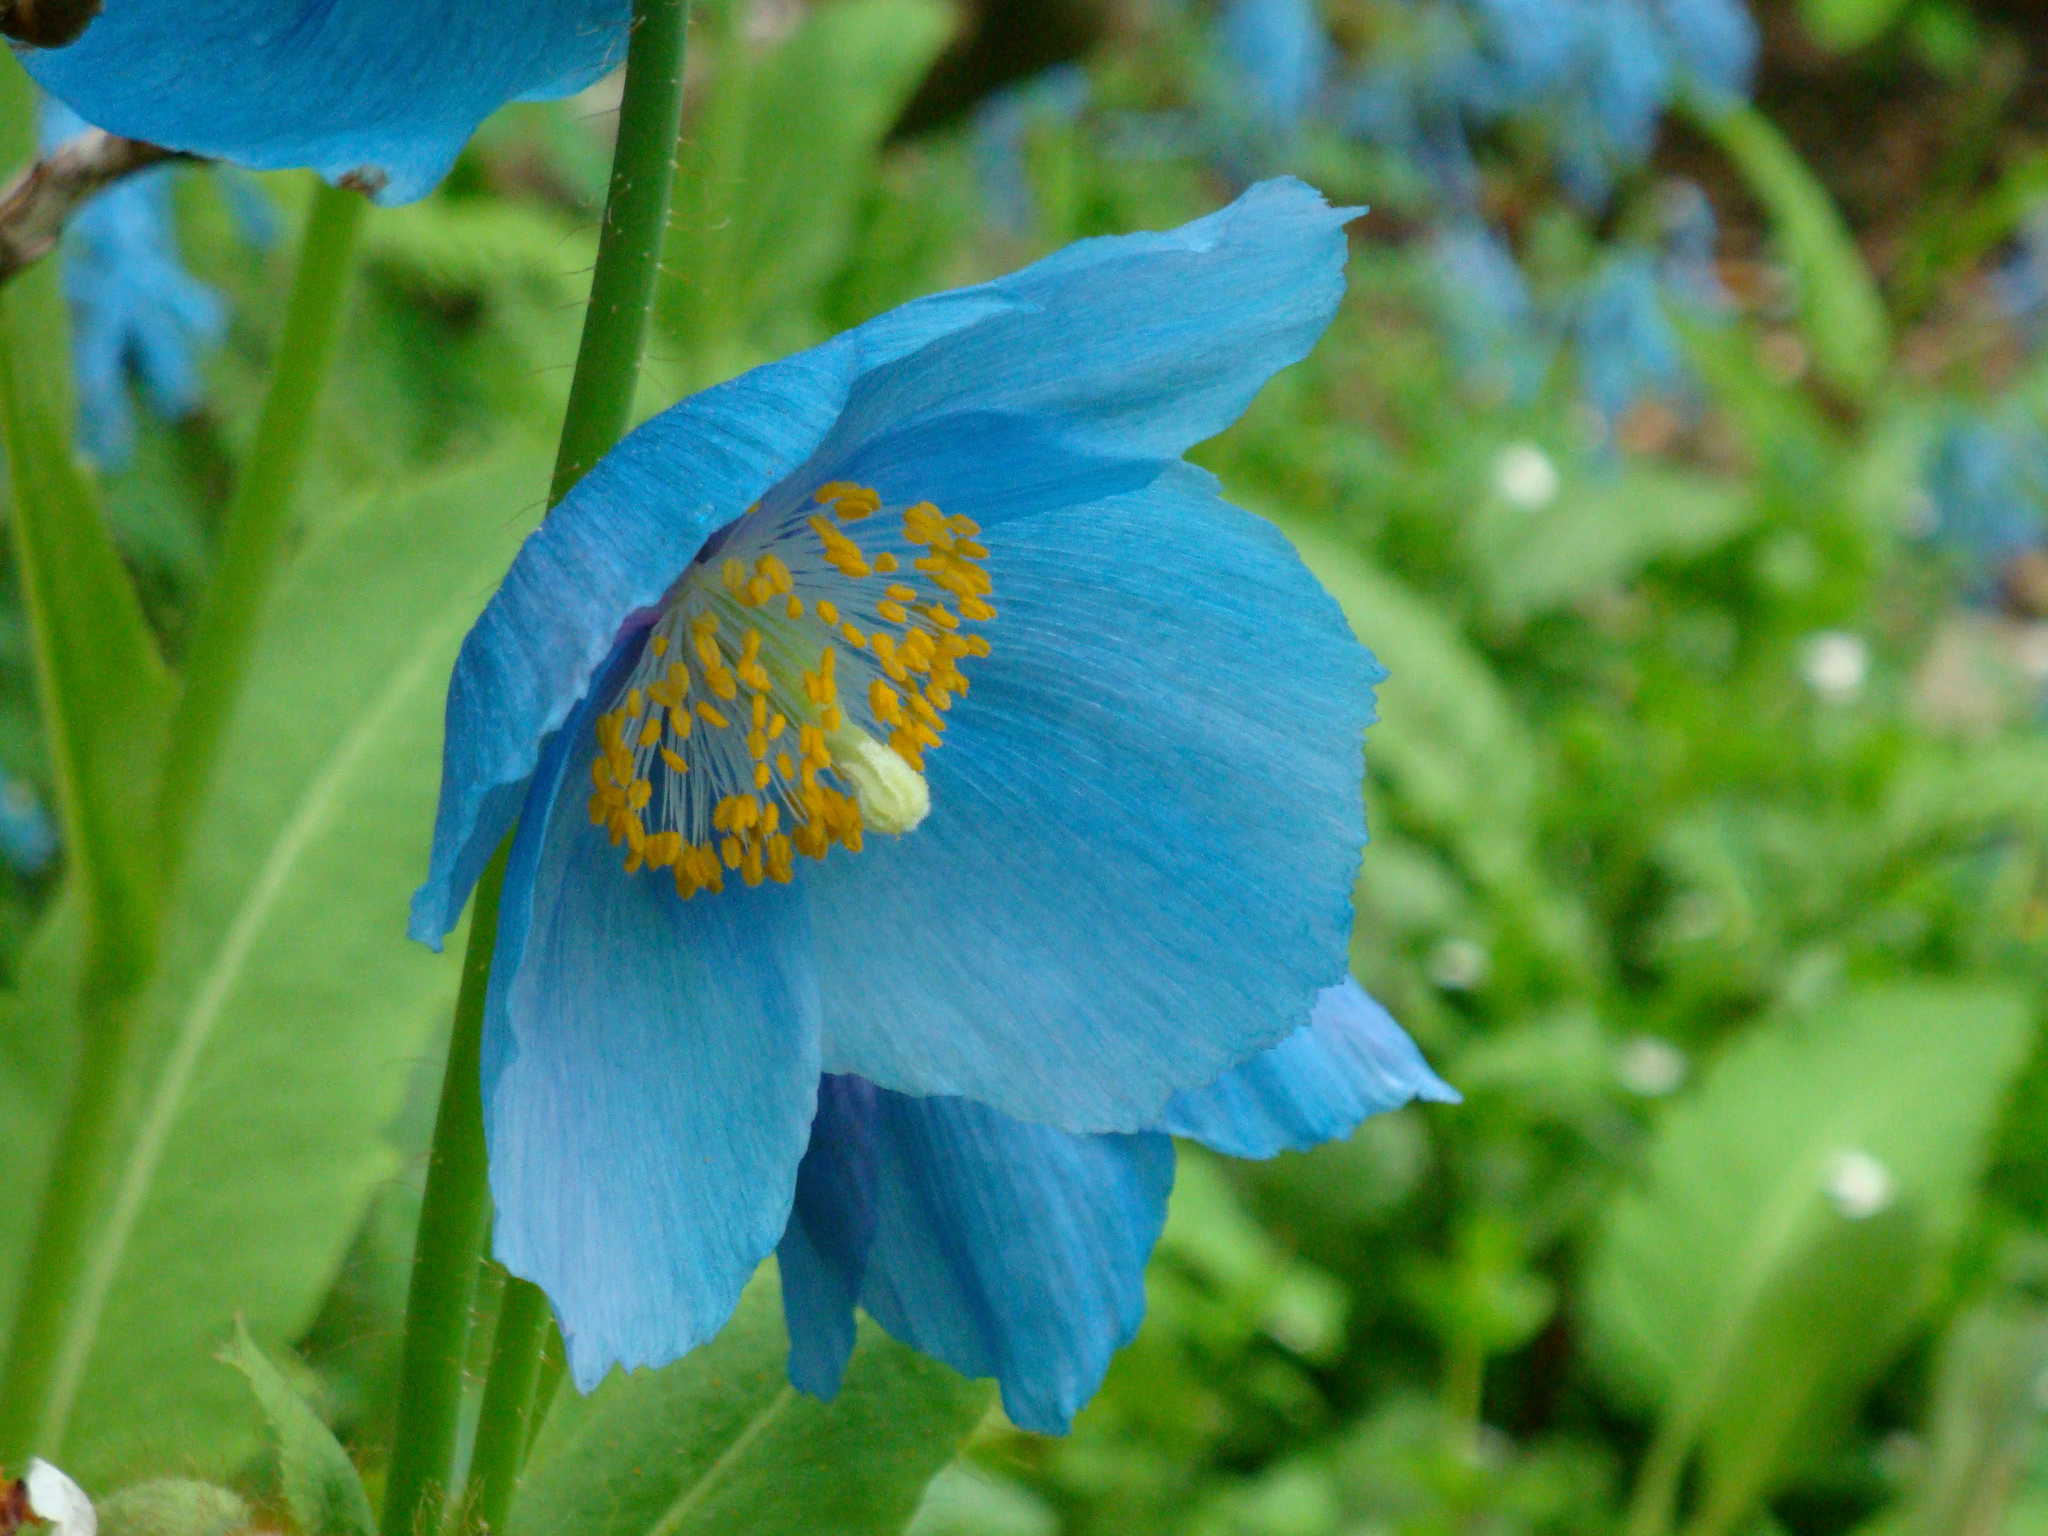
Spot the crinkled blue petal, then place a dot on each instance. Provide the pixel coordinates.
(386, 94)
(1087, 369)
(823, 1254)
(1136, 345)
(650, 1071)
(1012, 1250)
(1349, 1061)
(1145, 825)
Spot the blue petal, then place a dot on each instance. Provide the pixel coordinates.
(1349, 1061)
(1145, 826)
(650, 1070)
(384, 93)
(612, 548)
(1012, 1250)
(1139, 346)
(824, 1252)
(1076, 377)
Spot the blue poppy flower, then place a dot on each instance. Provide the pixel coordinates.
(134, 308)
(1987, 483)
(381, 95)
(1017, 1251)
(28, 838)
(903, 710)
(1003, 123)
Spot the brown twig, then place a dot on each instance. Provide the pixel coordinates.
(39, 202)
(14, 1506)
(47, 23)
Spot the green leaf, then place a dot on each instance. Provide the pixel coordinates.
(1841, 311)
(774, 167)
(175, 1506)
(1597, 536)
(720, 1441)
(1793, 1215)
(290, 1008)
(102, 687)
(320, 1483)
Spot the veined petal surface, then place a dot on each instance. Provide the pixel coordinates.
(650, 1074)
(383, 95)
(1349, 1061)
(1145, 826)
(1004, 1249)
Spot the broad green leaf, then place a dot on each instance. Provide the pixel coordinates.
(1462, 763)
(175, 1506)
(320, 1483)
(1599, 535)
(102, 687)
(290, 1009)
(1841, 311)
(774, 166)
(721, 1442)
(1792, 1217)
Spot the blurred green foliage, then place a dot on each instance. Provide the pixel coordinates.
(1710, 861)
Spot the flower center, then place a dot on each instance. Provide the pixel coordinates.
(785, 698)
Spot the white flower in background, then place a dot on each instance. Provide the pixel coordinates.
(58, 1501)
(1858, 1185)
(1650, 1067)
(1525, 477)
(1835, 664)
(1458, 965)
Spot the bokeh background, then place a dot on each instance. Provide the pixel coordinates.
(1681, 448)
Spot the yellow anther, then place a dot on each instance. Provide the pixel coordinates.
(975, 608)
(855, 636)
(762, 776)
(757, 744)
(942, 616)
(902, 591)
(970, 549)
(886, 563)
(723, 683)
(675, 761)
(650, 733)
(711, 716)
(658, 645)
(894, 612)
(963, 525)
(828, 611)
(759, 590)
(634, 703)
(784, 766)
(730, 850)
(760, 713)
(883, 701)
(977, 645)
(794, 608)
(638, 793)
(679, 722)
(831, 717)
(707, 651)
(776, 725)
(832, 490)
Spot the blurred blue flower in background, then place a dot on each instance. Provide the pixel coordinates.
(1597, 74)
(1987, 482)
(1279, 57)
(381, 95)
(938, 608)
(1627, 349)
(1500, 340)
(135, 310)
(28, 838)
(1003, 124)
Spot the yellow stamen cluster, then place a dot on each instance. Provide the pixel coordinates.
(748, 657)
